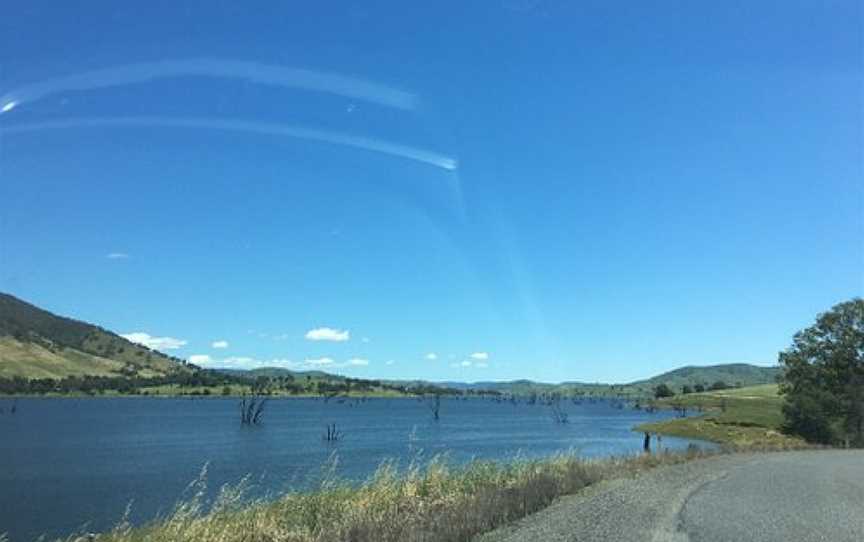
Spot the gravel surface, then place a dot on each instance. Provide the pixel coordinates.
(789, 496)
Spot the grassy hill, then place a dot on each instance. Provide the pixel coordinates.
(732, 374)
(35, 343)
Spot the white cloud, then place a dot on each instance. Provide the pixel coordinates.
(328, 334)
(246, 362)
(432, 356)
(240, 362)
(319, 361)
(200, 359)
(154, 343)
(481, 365)
(117, 256)
(480, 355)
(219, 344)
(465, 363)
(389, 362)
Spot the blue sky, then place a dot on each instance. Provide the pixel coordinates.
(553, 190)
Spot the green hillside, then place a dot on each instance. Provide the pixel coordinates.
(35, 343)
(732, 374)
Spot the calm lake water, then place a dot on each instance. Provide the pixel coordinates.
(67, 462)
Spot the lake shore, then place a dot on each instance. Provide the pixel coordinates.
(438, 502)
(745, 418)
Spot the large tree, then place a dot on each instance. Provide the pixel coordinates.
(823, 380)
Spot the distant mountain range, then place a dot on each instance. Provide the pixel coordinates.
(35, 343)
(732, 374)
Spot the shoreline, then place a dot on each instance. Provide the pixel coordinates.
(439, 501)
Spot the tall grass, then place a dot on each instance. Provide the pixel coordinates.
(437, 502)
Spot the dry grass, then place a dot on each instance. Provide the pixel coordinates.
(435, 503)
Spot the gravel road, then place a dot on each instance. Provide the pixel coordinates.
(789, 496)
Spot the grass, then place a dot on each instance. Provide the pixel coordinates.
(749, 417)
(435, 503)
(32, 360)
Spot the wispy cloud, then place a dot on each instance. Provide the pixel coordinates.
(358, 362)
(480, 355)
(366, 340)
(154, 343)
(389, 362)
(431, 356)
(117, 256)
(464, 364)
(219, 344)
(318, 362)
(328, 334)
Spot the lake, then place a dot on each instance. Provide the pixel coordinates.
(67, 462)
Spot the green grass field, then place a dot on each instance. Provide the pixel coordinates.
(742, 417)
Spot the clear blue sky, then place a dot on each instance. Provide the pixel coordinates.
(593, 191)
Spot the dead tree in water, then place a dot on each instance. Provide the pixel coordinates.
(251, 410)
(435, 406)
(332, 434)
(558, 413)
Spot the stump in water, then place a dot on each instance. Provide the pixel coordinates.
(250, 411)
(647, 444)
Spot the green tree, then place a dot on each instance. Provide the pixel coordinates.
(823, 377)
(663, 391)
(685, 389)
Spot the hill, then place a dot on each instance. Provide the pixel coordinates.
(732, 374)
(35, 343)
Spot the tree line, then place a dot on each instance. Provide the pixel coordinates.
(200, 382)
